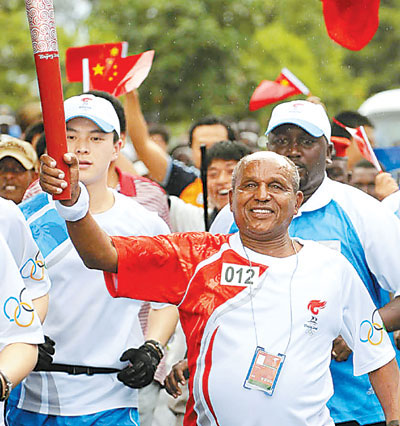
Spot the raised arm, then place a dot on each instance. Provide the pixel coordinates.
(155, 159)
(92, 243)
(385, 381)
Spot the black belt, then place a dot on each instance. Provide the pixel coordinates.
(78, 369)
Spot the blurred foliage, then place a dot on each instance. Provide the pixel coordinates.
(211, 54)
(18, 83)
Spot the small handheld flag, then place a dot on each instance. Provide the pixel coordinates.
(268, 92)
(362, 141)
(352, 24)
(75, 55)
(119, 75)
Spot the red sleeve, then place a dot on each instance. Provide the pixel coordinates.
(159, 268)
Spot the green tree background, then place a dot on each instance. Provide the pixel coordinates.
(211, 54)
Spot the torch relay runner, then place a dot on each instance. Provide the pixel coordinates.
(259, 326)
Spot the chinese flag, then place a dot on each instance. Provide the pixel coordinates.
(119, 75)
(351, 23)
(364, 146)
(75, 55)
(268, 92)
(360, 137)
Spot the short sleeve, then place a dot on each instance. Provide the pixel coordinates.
(158, 269)
(362, 326)
(19, 321)
(25, 251)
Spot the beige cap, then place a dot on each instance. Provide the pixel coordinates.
(20, 150)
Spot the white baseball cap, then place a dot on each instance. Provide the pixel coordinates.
(309, 116)
(96, 109)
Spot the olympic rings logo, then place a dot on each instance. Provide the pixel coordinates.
(14, 308)
(37, 265)
(374, 329)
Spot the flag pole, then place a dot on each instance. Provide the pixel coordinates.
(85, 75)
(203, 170)
(44, 42)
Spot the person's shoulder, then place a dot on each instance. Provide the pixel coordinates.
(178, 165)
(222, 224)
(144, 181)
(200, 240)
(357, 203)
(319, 253)
(128, 203)
(7, 206)
(133, 214)
(347, 193)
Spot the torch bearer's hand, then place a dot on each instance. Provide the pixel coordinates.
(52, 179)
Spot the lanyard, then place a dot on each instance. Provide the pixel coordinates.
(290, 298)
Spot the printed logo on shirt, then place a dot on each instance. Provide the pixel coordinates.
(18, 311)
(371, 332)
(314, 306)
(33, 268)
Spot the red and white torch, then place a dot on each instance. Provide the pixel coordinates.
(44, 42)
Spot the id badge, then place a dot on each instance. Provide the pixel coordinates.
(264, 371)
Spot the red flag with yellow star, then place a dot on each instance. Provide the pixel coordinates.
(75, 56)
(120, 75)
(268, 92)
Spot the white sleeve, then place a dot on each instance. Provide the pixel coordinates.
(362, 325)
(184, 216)
(159, 227)
(392, 202)
(379, 233)
(223, 222)
(19, 321)
(26, 253)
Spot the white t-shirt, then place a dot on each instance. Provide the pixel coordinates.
(27, 256)
(184, 216)
(368, 235)
(89, 327)
(19, 322)
(231, 301)
(304, 385)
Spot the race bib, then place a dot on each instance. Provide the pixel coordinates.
(239, 275)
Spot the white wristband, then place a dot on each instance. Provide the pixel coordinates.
(79, 210)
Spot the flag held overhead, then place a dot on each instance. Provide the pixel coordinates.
(119, 75)
(75, 56)
(268, 92)
(351, 23)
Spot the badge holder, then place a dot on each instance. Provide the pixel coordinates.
(264, 371)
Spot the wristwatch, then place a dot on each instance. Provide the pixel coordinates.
(8, 388)
(157, 346)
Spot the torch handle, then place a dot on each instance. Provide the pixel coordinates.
(53, 113)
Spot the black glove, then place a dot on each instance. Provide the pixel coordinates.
(46, 350)
(144, 361)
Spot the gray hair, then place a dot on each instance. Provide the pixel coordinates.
(259, 155)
